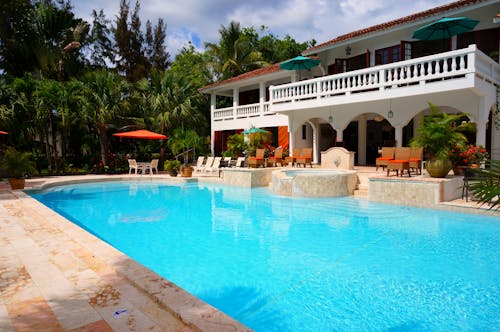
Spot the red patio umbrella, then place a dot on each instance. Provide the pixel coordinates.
(3, 132)
(141, 134)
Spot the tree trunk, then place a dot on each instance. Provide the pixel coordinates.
(162, 156)
(103, 140)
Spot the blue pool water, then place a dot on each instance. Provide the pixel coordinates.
(298, 264)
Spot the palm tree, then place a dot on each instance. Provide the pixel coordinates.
(105, 94)
(236, 53)
(46, 100)
(69, 110)
(169, 100)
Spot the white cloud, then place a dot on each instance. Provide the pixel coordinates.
(302, 19)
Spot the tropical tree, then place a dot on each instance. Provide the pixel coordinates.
(235, 53)
(17, 110)
(158, 58)
(105, 95)
(182, 142)
(101, 44)
(171, 100)
(485, 183)
(46, 99)
(130, 59)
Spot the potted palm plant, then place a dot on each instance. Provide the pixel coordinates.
(438, 135)
(17, 165)
(183, 142)
(172, 167)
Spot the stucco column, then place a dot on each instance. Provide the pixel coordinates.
(340, 134)
(212, 143)
(236, 100)
(481, 132)
(291, 135)
(262, 96)
(213, 103)
(362, 140)
(315, 142)
(399, 135)
(417, 121)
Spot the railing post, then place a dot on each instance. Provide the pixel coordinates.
(318, 90)
(382, 79)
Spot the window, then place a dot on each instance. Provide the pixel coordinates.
(388, 55)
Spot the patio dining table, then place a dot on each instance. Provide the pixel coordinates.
(143, 166)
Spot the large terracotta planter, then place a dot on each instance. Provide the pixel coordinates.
(186, 171)
(16, 184)
(438, 168)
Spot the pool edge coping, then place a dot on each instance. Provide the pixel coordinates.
(189, 309)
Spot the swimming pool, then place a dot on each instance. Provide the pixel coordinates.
(301, 264)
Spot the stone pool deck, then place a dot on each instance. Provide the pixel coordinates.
(54, 276)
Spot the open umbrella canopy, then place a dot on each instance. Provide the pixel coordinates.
(444, 28)
(3, 132)
(254, 130)
(140, 134)
(298, 63)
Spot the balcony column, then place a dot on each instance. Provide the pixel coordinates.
(398, 135)
(213, 104)
(417, 121)
(291, 134)
(315, 141)
(236, 101)
(362, 140)
(340, 135)
(481, 132)
(262, 96)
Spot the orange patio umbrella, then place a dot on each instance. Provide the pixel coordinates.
(141, 134)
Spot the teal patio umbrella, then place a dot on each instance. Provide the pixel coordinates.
(445, 28)
(299, 62)
(254, 130)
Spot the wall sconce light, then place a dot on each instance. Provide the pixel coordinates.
(348, 50)
(390, 114)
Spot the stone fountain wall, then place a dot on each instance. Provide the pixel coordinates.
(337, 158)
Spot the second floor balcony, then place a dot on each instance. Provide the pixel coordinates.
(449, 71)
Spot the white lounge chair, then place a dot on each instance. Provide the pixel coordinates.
(227, 161)
(199, 164)
(215, 165)
(240, 162)
(208, 163)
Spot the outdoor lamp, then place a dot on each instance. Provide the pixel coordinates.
(348, 50)
(390, 114)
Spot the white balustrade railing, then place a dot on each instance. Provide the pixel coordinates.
(421, 71)
(223, 113)
(454, 64)
(242, 111)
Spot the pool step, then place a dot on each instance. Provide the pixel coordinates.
(362, 188)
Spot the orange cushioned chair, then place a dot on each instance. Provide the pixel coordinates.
(305, 157)
(400, 162)
(290, 160)
(416, 155)
(277, 158)
(258, 160)
(387, 155)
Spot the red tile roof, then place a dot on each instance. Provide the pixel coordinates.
(390, 24)
(404, 20)
(254, 73)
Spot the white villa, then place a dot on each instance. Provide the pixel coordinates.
(372, 87)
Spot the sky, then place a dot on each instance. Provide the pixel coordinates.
(199, 21)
